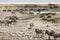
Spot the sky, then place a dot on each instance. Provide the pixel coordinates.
(37, 1)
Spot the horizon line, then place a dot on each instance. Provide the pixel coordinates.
(25, 3)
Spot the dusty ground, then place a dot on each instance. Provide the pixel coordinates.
(13, 32)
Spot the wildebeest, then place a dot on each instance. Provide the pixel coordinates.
(9, 10)
(52, 33)
(4, 10)
(1, 22)
(31, 25)
(39, 32)
(12, 18)
(8, 22)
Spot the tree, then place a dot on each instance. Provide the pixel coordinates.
(53, 6)
(50, 5)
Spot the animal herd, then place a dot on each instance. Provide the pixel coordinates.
(49, 33)
(9, 20)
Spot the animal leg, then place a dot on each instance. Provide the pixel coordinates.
(54, 38)
(49, 37)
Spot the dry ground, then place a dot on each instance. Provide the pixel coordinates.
(23, 25)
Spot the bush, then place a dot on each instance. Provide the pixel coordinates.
(48, 20)
(44, 19)
(41, 16)
(49, 16)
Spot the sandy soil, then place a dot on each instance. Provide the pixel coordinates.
(23, 24)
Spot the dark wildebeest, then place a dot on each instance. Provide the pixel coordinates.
(52, 33)
(31, 25)
(8, 22)
(1, 22)
(39, 32)
(12, 18)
